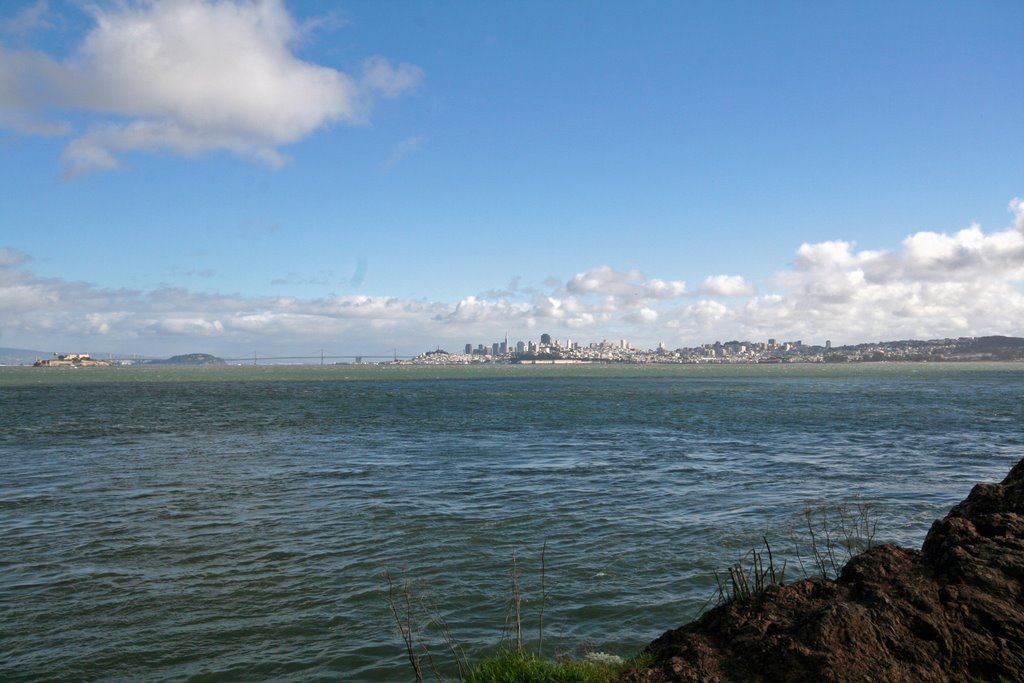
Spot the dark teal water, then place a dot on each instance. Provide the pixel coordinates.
(234, 524)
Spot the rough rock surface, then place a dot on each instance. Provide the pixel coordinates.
(952, 611)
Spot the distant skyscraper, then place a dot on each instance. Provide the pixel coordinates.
(828, 343)
(495, 348)
(469, 349)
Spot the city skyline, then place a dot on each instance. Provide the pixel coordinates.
(226, 175)
(546, 348)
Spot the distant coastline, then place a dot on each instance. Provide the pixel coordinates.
(963, 349)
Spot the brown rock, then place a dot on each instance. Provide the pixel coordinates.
(952, 611)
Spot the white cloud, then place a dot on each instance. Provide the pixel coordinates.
(643, 316)
(200, 327)
(726, 285)
(605, 280)
(188, 77)
(708, 314)
(474, 310)
(936, 284)
(661, 289)
(379, 76)
(966, 255)
(629, 285)
(552, 308)
(1017, 209)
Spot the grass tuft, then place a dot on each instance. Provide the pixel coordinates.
(747, 581)
(834, 535)
(510, 666)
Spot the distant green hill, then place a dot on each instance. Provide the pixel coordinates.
(190, 359)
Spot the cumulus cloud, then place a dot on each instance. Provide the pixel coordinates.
(937, 284)
(474, 310)
(726, 285)
(643, 316)
(629, 284)
(188, 77)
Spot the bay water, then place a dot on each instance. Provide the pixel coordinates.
(234, 523)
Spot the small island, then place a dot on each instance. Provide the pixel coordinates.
(71, 360)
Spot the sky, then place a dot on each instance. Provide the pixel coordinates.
(281, 177)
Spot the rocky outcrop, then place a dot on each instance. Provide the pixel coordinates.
(952, 611)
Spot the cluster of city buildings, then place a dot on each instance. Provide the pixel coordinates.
(548, 350)
(546, 346)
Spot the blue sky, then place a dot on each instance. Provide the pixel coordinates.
(230, 176)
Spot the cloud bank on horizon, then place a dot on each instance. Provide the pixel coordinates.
(187, 77)
(938, 284)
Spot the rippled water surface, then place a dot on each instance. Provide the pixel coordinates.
(233, 524)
